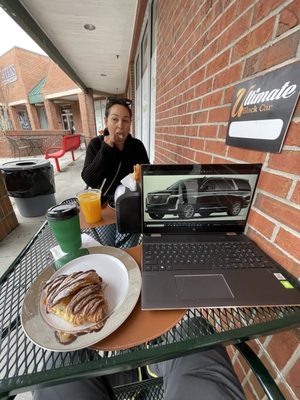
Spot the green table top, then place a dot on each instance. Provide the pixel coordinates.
(24, 366)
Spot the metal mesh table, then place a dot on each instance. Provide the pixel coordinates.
(24, 365)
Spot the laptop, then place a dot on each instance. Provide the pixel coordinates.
(194, 250)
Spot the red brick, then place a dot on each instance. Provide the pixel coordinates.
(288, 263)
(289, 17)
(235, 31)
(249, 393)
(281, 347)
(203, 158)
(230, 75)
(254, 346)
(212, 146)
(226, 16)
(188, 95)
(203, 88)
(228, 95)
(293, 378)
(239, 371)
(275, 184)
(231, 351)
(262, 224)
(30, 69)
(289, 242)
(197, 144)
(220, 114)
(207, 131)
(199, 117)
(185, 120)
(222, 131)
(256, 386)
(195, 105)
(287, 161)
(191, 130)
(279, 52)
(296, 194)
(250, 156)
(263, 8)
(293, 135)
(254, 39)
(297, 110)
(212, 100)
(196, 77)
(217, 63)
(282, 212)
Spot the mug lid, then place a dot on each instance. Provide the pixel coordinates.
(61, 212)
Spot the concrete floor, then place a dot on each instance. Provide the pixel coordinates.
(68, 182)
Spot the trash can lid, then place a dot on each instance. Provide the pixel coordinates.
(24, 164)
(61, 212)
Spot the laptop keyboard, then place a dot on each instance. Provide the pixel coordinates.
(208, 255)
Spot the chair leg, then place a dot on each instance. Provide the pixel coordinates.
(270, 388)
(72, 151)
(57, 165)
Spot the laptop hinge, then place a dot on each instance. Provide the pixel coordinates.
(231, 234)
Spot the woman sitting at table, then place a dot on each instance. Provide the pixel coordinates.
(111, 157)
(114, 155)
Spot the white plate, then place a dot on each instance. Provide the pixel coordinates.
(116, 267)
(115, 279)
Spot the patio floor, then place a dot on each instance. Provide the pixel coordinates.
(67, 183)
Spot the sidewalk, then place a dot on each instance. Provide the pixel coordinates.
(68, 183)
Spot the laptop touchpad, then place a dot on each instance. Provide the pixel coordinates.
(203, 287)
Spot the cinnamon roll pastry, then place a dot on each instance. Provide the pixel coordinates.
(77, 298)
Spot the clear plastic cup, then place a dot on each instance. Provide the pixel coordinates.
(90, 205)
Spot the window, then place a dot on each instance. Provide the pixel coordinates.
(67, 118)
(42, 117)
(145, 81)
(24, 121)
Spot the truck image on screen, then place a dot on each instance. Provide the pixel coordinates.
(204, 196)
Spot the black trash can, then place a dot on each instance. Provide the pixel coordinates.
(31, 184)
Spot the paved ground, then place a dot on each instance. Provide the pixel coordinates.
(68, 182)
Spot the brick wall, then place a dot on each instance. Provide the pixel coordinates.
(205, 48)
(30, 69)
(49, 139)
(57, 80)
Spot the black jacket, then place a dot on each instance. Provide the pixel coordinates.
(103, 161)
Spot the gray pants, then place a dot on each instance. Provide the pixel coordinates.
(207, 375)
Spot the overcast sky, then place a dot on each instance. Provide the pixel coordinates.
(12, 34)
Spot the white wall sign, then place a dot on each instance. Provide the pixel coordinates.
(262, 109)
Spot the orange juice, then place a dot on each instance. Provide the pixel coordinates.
(90, 205)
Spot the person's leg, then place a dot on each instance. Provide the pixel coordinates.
(207, 375)
(82, 389)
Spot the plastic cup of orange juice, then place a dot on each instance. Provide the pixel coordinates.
(90, 205)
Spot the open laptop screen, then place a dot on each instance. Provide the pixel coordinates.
(197, 197)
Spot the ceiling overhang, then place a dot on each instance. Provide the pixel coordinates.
(96, 59)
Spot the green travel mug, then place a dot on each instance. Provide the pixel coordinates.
(64, 222)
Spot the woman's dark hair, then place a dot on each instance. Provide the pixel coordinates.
(111, 101)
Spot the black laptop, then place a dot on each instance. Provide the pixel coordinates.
(195, 252)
